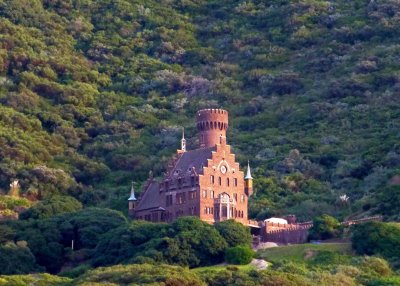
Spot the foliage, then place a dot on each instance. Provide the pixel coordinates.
(377, 238)
(325, 227)
(49, 240)
(93, 94)
(298, 253)
(6, 234)
(188, 241)
(141, 274)
(52, 206)
(234, 233)
(240, 255)
(388, 196)
(13, 204)
(17, 259)
(34, 279)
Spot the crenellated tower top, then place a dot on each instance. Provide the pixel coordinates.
(212, 125)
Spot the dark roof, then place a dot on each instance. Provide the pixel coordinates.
(194, 158)
(150, 198)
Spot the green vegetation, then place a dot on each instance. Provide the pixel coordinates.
(103, 237)
(234, 233)
(9, 206)
(332, 268)
(51, 207)
(325, 227)
(50, 240)
(239, 255)
(93, 95)
(376, 238)
(141, 274)
(298, 253)
(34, 279)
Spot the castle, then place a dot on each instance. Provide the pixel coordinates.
(206, 182)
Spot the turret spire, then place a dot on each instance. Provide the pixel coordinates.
(183, 141)
(132, 197)
(248, 174)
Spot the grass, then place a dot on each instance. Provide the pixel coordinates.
(221, 267)
(300, 252)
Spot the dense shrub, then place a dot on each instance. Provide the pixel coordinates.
(52, 206)
(141, 274)
(325, 227)
(239, 255)
(17, 259)
(377, 238)
(188, 241)
(234, 233)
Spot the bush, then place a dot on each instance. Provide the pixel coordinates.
(239, 255)
(234, 233)
(17, 259)
(51, 207)
(325, 227)
(377, 238)
(140, 274)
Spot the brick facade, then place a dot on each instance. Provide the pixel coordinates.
(206, 182)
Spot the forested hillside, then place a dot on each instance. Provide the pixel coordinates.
(93, 94)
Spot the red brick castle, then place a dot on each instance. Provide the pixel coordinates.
(206, 182)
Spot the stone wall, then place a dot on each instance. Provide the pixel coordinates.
(285, 233)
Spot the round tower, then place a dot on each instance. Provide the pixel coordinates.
(212, 125)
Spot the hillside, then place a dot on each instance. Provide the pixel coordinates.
(93, 94)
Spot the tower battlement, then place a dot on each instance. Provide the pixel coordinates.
(212, 125)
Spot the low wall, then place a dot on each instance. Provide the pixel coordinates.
(285, 233)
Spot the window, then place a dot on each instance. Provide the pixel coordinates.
(219, 181)
(180, 198)
(204, 193)
(192, 181)
(212, 194)
(242, 198)
(192, 195)
(235, 182)
(192, 210)
(235, 196)
(169, 200)
(212, 179)
(227, 182)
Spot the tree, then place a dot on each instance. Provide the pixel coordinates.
(51, 207)
(6, 234)
(239, 255)
(377, 238)
(17, 259)
(234, 233)
(325, 227)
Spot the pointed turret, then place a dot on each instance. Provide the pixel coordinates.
(132, 201)
(248, 181)
(132, 197)
(248, 174)
(183, 141)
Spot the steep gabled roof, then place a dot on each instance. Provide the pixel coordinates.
(193, 158)
(150, 198)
